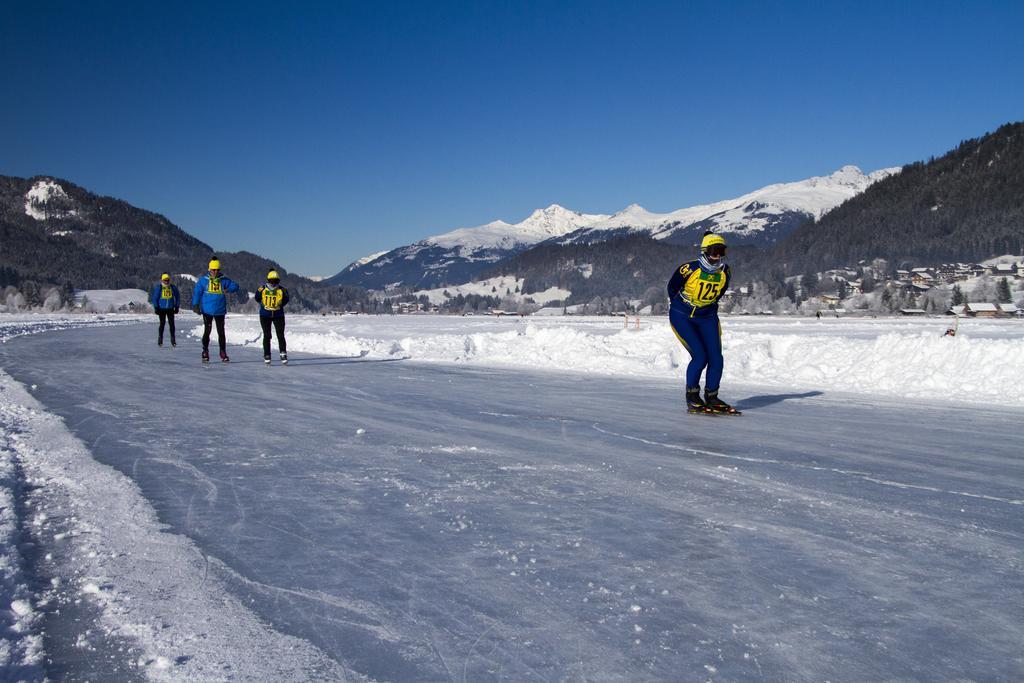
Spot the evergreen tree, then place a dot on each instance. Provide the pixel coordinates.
(958, 296)
(1003, 291)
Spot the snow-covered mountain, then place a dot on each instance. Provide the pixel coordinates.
(759, 217)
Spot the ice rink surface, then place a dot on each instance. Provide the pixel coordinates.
(451, 521)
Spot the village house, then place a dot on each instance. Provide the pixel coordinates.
(1007, 270)
(949, 273)
(921, 276)
(981, 310)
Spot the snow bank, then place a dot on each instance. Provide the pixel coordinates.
(16, 325)
(152, 588)
(21, 645)
(984, 362)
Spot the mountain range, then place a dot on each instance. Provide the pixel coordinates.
(759, 218)
(967, 204)
(53, 231)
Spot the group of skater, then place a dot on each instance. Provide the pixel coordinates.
(209, 300)
(694, 291)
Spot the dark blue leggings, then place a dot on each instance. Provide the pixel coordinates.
(702, 337)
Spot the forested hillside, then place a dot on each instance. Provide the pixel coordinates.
(967, 205)
(53, 232)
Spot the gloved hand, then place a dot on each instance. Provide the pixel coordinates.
(195, 309)
(175, 310)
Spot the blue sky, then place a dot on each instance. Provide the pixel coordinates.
(315, 134)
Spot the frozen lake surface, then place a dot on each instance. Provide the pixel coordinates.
(381, 517)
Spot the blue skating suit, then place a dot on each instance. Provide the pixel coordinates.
(694, 292)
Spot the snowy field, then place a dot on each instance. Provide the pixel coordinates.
(420, 498)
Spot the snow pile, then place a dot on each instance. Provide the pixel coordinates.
(153, 588)
(984, 362)
(21, 646)
(17, 325)
(921, 366)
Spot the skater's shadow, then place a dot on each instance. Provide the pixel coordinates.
(754, 402)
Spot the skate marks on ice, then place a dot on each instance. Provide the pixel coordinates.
(865, 476)
(482, 528)
(130, 599)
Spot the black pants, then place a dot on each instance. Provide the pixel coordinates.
(278, 328)
(165, 316)
(208, 320)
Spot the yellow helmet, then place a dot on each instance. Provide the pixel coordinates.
(214, 264)
(165, 278)
(272, 275)
(711, 239)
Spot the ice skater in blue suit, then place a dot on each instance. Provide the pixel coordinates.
(694, 291)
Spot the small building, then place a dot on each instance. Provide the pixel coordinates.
(981, 310)
(912, 311)
(1009, 309)
(922, 278)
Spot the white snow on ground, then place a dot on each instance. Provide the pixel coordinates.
(496, 286)
(21, 646)
(892, 357)
(153, 588)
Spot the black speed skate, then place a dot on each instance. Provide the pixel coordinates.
(694, 404)
(224, 357)
(284, 359)
(206, 356)
(266, 359)
(717, 406)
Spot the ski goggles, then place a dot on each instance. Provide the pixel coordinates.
(717, 250)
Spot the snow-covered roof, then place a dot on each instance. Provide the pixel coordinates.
(1008, 308)
(982, 307)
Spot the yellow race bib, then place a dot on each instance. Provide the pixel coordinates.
(214, 286)
(166, 293)
(703, 289)
(272, 298)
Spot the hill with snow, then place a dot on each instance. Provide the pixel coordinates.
(760, 217)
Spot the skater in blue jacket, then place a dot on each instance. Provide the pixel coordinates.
(165, 300)
(208, 300)
(694, 291)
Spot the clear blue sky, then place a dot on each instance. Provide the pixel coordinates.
(314, 134)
